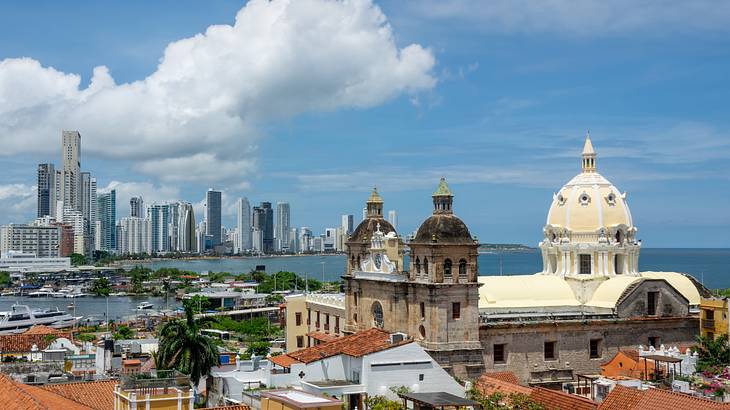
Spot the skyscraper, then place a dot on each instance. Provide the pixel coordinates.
(186, 238)
(347, 224)
(136, 207)
(159, 217)
(293, 240)
(71, 154)
(243, 225)
(393, 218)
(213, 216)
(46, 190)
(263, 224)
(88, 209)
(107, 216)
(283, 218)
(134, 236)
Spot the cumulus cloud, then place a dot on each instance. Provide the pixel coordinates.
(17, 201)
(587, 17)
(149, 192)
(196, 118)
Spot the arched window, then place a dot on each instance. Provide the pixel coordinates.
(352, 261)
(447, 267)
(378, 315)
(618, 237)
(462, 268)
(425, 266)
(418, 265)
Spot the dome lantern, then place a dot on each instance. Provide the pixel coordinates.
(588, 160)
(443, 199)
(375, 205)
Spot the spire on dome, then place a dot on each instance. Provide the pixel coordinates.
(375, 205)
(588, 161)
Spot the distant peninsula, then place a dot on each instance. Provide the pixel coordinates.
(502, 247)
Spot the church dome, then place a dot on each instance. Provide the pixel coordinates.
(589, 203)
(443, 226)
(366, 228)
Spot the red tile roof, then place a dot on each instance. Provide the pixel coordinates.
(656, 399)
(23, 342)
(98, 395)
(16, 395)
(322, 337)
(356, 345)
(558, 400)
(284, 360)
(490, 385)
(508, 377)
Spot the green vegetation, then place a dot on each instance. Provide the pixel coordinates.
(383, 403)
(198, 304)
(713, 353)
(86, 337)
(258, 327)
(182, 347)
(501, 401)
(137, 276)
(5, 279)
(48, 339)
(78, 259)
(279, 281)
(101, 287)
(260, 349)
(123, 333)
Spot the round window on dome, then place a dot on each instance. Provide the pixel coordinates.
(584, 199)
(611, 199)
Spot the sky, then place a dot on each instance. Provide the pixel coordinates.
(314, 102)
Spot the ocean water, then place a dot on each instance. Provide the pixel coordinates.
(709, 266)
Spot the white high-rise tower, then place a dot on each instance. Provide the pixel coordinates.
(283, 219)
(71, 184)
(243, 225)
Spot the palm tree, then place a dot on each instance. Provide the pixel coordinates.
(183, 348)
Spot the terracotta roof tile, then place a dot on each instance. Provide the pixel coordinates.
(21, 396)
(656, 399)
(490, 385)
(283, 360)
(322, 337)
(23, 342)
(41, 330)
(98, 395)
(508, 377)
(355, 345)
(558, 400)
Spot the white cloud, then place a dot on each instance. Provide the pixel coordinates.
(587, 17)
(18, 202)
(196, 117)
(149, 192)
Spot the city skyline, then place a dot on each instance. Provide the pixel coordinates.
(498, 108)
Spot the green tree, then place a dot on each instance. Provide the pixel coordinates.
(137, 276)
(86, 337)
(101, 287)
(712, 352)
(198, 303)
(123, 333)
(5, 279)
(78, 259)
(261, 348)
(183, 348)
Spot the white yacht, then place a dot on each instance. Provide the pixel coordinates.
(21, 318)
(145, 306)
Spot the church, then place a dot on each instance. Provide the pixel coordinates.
(589, 301)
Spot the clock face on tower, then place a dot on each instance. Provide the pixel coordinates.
(378, 260)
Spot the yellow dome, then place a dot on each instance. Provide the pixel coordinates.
(589, 203)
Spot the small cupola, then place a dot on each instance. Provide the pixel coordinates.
(375, 205)
(588, 158)
(443, 199)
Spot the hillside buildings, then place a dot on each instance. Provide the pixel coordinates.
(588, 302)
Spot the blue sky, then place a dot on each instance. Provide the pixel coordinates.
(316, 103)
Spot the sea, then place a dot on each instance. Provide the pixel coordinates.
(710, 266)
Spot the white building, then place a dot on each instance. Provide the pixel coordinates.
(294, 240)
(243, 225)
(76, 220)
(186, 235)
(257, 239)
(14, 261)
(134, 236)
(283, 222)
(42, 241)
(71, 174)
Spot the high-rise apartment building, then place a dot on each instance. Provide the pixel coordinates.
(243, 225)
(159, 217)
(305, 239)
(283, 219)
(213, 216)
(71, 183)
(106, 212)
(46, 190)
(134, 236)
(42, 241)
(293, 240)
(393, 218)
(76, 220)
(88, 209)
(347, 223)
(186, 238)
(174, 219)
(263, 220)
(136, 207)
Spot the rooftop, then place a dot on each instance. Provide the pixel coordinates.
(625, 398)
(438, 399)
(24, 342)
(355, 345)
(300, 399)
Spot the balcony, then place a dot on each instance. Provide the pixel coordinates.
(708, 324)
(154, 383)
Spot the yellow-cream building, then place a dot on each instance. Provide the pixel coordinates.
(313, 318)
(165, 390)
(714, 317)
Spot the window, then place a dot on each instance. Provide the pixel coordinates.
(585, 264)
(654, 341)
(550, 351)
(423, 311)
(298, 318)
(354, 295)
(652, 298)
(710, 314)
(418, 265)
(337, 324)
(420, 377)
(456, 310)
(300, 341)
(378, 320)
(317, 323)
(425, 266)
(354, 317)
(595, 348)
(309, 317)
(462, 268)
(327, 322)
(447, 268)
(498, 353)
(422, 331)
(618, 264)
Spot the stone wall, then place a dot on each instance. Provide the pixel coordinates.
(669, 302)
(524, 343)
